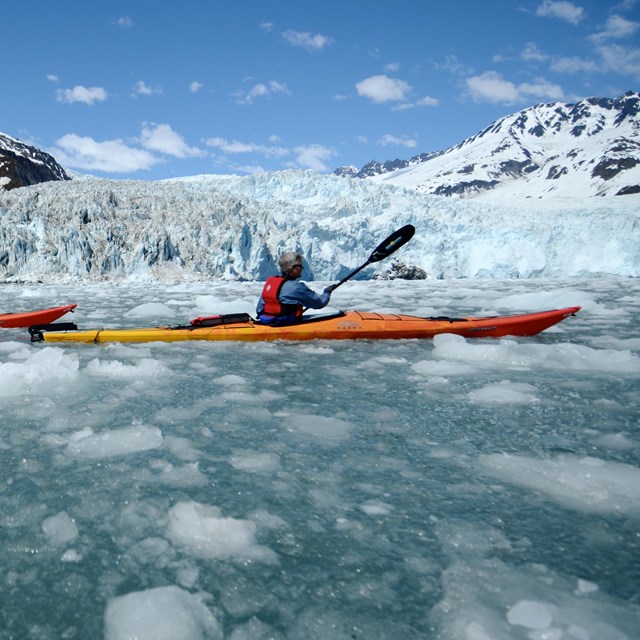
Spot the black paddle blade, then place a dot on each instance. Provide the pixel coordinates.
(392, 243)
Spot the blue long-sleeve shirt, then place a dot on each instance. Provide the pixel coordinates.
(297, 292)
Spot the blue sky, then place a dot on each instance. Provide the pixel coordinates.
(149, 89)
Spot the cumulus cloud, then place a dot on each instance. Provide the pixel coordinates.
(235, 146)
(125, 22)
(112, 156)
(87, 95)
(616, 28)
(574, 64)
(306, 40)
(541, 89)
(313, 156)
(531, 53)
(195, 86)
(120, 156)
(143, 89)
(622, 60)
(427, 101)
(452, 65)
(608, 58)
(163, 139)
(250, 169)
(261, 90)
(561, 9)
(403, 141)
(491, 87)
(383, 89)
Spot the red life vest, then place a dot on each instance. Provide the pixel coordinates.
(272, 304)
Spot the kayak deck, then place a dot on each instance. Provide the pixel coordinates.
(349, 325)
(29, 318)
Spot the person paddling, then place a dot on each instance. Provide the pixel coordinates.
(284, 297)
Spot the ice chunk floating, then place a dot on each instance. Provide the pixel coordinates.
(446, 489)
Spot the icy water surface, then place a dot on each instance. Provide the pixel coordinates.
(445, 489)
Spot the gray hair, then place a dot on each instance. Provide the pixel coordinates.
(287, 260)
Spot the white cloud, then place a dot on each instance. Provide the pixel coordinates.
(427, 101)
(313, 156)
(260, 90)
(163, 139)
(88, 95)
(617, 27)
(143, 89)
(491, 87)
(574, 65)
(306, 40)
(531, 53)
(250, 169)
(225, 166)
(561, 9)
(114, 156)
(235, 146)
(610, 58)
(51, 77)
(125, 22)
(278, 87)
(382, 89)
(621, 60)
(541, 88)
(266, 26)
(453, 66)
(626, 5)
(195, 86)
(391, 140)
(118, 156)
(392, 67)
(256, 91)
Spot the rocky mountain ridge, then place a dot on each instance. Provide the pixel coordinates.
(22, 165)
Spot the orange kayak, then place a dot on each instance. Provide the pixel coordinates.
(29, 318)
(350, 325)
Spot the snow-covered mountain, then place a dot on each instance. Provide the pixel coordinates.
(234, 228)
(22, 165)
(591, 148)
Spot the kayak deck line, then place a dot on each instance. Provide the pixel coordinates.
(345, 325)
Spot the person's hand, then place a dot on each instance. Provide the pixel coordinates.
(330, 288)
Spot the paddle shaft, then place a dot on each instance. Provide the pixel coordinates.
(383, 250)
(353, 273)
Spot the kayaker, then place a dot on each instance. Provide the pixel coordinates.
(284, 297)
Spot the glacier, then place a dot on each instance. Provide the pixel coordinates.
(232, 228)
